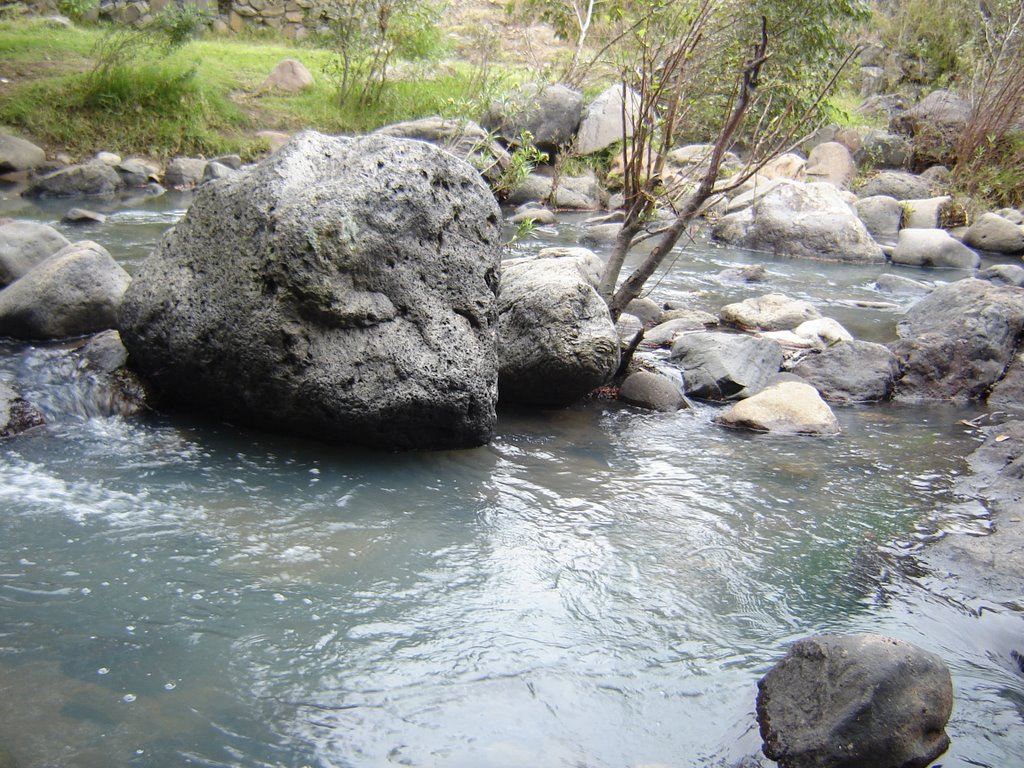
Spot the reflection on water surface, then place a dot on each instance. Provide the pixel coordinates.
(598, 587)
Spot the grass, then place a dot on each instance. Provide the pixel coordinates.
(203, 99)
(842, 107)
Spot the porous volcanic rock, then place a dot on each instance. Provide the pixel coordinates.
(342, 289)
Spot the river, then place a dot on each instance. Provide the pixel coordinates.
(599, 587)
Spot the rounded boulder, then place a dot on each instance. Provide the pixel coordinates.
(75, 292)
(342, 289)
(848, 701)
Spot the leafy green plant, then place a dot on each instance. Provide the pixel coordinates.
(179, 24)
(367, 35)
(521, 161)
(76, 10)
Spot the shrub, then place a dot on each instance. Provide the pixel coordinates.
(76, 10)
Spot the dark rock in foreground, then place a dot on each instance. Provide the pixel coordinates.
(956, 342)
(851, 701)
(725, 366)
(343, 289)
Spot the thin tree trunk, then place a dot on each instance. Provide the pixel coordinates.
(634, 284)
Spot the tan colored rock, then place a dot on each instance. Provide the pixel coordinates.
(831, 162)
(788, 408)
(771, 312)
(289, 75)
(787, 166)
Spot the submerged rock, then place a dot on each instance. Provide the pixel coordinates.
(787, 408)
(851, 701)
(75, 292)
(343, 289)
(556, 338)
(82, 216)
(653, 391)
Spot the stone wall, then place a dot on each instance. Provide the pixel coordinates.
(293, 18)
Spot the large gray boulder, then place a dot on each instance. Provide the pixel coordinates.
(852, 701)
(802, 220)
(19, 155)
(23, 245)
(577, 192)
(936, 124)
(184, 173)
(556, 339)
(342, 289)
(883, 150)
(75, 292)
(93, 179)
(17, 414)
(882, 215)
(851, 372)
(932, 248)
(725, 366)
(991, 232)
(602, 123)
(896, 184)
(550, 115)
(956, 342)
(108, 387)
(786, 408)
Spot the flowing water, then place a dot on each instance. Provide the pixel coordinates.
(599, 587)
